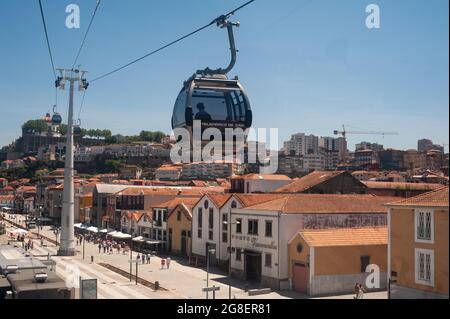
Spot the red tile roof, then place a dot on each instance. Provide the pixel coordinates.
(313, 179)
(267, 177)
(363, 236)
(325, 204)
(436, 198)
(402, 186)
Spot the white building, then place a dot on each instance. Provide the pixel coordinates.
(168, 173)
(260, 242)
(301, 144)
(258, 183)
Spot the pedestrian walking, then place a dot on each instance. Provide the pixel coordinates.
(163, 262)
(148, 259)
(138, 258)
(99, 248)
(168, 262)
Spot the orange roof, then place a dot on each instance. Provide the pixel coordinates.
(267, 177)
(345, 236)
(325, 204)
(309, 181)
(253, 199)
(133, 215)
(6, 197)
(219, 199)
(402, 186)
(436, 198)
(171, 204)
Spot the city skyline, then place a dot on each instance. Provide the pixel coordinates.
(338, 74)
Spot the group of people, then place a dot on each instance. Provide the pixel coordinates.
(27, 245)
(145, 259)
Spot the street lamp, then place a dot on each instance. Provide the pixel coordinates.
(210, 251)
(229, 252)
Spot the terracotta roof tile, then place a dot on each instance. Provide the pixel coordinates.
(269, 177)
(308, 181)
(402, 186)
(325, 204)
(436, 198)
(346, 236)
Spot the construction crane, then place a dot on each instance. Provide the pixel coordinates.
(344, 132)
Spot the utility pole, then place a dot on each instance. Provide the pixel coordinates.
(67, 240)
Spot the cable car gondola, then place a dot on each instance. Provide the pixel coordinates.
(210, 97)
(56, 118)
(77, 128)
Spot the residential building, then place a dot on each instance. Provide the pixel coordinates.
(179, 224)
(128, 172)
(301, 144)
(208, 170)
(7, 201)
(369, 146)
(418, 246)
(391, 160)
(425, 145)
(168, 173)
(366, 158)
(331, 261)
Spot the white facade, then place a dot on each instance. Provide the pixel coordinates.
(301, 144)
(275, 273)
(206, 229)
(168, 174)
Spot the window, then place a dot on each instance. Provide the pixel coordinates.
(200, 217)
(239, 226)
(252, 227)
(365, 261)
(224, 222)
(211, 235)
(233, 204)
(165, 216)
(224, 237)
(199, 233)
(238, 254)
(211, 218)
(268, 260)
(179, 216)
(424, 267)
(424, 225)
(268, 228)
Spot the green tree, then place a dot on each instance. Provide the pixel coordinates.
(35, 126)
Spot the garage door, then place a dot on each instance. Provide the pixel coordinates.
(300, 276)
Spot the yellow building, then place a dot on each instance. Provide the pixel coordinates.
(333, 261)
(418, 246)
(85, 205)
(179, 225)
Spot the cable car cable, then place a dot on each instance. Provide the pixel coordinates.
(173, 42)
(82, 103)
(87, 32)
(46, 37)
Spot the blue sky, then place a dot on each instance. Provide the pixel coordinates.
(308, 65)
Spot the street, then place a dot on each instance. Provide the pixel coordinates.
(181, 281)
